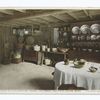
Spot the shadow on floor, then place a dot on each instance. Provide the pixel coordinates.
(70, 87)
(46, 84)
(42, 84)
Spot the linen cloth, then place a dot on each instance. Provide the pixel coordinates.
(81, 77)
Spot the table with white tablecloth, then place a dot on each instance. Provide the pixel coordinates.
(81, 77)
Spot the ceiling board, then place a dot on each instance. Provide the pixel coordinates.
(47, 16)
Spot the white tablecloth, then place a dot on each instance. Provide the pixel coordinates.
(81, 77)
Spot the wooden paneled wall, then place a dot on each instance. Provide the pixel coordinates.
(5, 36)
(47, 33)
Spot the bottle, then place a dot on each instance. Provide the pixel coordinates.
(66, 61)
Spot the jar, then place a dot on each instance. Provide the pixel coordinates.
(48, 49)
(47, 61)
(36, 48)
(44, 47)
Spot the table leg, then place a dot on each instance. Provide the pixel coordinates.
(64, 56)
(42, 58)
(56, 87)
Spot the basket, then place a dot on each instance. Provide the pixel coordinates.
(16, 60)
(78, 64)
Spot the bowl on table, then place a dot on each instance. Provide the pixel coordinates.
(79, 63)
(92, 69)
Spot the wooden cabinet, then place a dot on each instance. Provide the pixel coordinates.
(53, 56)
(32, 56)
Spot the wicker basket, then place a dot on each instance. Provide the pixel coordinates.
(16, 60)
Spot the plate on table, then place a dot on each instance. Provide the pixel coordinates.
(92, 69)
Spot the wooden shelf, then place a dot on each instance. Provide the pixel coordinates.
(54, 52)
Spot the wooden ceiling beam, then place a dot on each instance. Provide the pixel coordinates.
(40, 20)
(72, 15)
(36, 21)
(50, 19)
(39, 15)
(6, 24)
(45, 20)
(8, 12)
(43, 15)
(59, 18)
(31, 21)
(18, 23)
(20, 10)
(87, 14)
